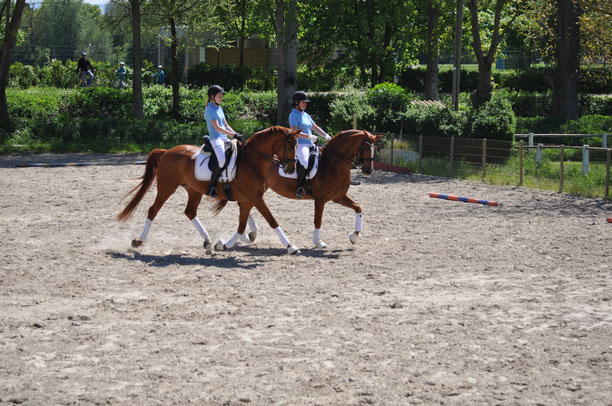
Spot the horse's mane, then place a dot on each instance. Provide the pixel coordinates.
(342, 136)
(267, 131)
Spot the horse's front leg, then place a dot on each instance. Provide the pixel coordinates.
(318, 219)
(262, 207)
(347, 201)
(240, 234)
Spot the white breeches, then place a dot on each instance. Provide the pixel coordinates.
(218, 145)
(303, 152)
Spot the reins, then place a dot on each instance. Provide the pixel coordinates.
(273, 158)
(354, 161)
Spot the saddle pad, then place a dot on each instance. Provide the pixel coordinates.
(203, 173)
(309, 175)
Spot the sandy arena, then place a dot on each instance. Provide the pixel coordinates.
(439, 302)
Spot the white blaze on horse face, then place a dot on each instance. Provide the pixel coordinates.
(358, 222)
(372, 156)
(145, 230)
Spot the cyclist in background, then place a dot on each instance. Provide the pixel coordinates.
(121, 75)
(84, 68)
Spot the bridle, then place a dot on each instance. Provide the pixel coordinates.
(285, 145)
(359, 159)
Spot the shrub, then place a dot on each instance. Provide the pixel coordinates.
(388, 101)
(230, 77)
(23, 76)
(433, 121)
(345, 105)
(98, 102)
(494, 120)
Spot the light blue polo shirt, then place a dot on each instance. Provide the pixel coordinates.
(303, 122)
(214, 112)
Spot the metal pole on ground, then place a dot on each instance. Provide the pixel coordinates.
(521, 163)
(561, 159)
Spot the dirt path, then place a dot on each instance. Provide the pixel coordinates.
(439, 303)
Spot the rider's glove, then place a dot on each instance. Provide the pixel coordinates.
(327, 137)
(239, 137)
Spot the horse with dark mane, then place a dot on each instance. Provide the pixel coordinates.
(331, 183)
(176, 167)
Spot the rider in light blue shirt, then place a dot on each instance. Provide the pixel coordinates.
(300, 120)
(218, 130)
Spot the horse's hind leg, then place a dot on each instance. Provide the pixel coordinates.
(318, 219)
(191, 211)
(165, 189)
(346, 201)
(262, 207)
(253, 227)
(240, 234)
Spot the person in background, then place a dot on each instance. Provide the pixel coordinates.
(84, 68)
(159, 76)
(300, 120)
(121, 75)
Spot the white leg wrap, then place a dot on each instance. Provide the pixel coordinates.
(317, 235)
(232, 241)
(358, 223)
(200, 228)
(145, 230)
(244, 237)
(282, 237)
(252, 225)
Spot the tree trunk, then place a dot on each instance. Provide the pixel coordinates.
(241, 60)
(176, 96)
(286, 37)
(10, 39)
(280, 61)
(431, 76)
(137, 51)
(568, 60)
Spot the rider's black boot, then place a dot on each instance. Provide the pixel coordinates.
(301, 175)
(212, 189)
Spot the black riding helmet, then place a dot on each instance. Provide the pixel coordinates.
(299, 96)
(213, 90)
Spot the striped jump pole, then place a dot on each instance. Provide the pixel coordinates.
(464, 199)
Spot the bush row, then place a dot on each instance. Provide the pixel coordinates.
(386, 107)
(597, 80)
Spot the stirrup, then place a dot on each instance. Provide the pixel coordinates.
(212, 191)
(300, 194)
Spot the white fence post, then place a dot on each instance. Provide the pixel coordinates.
(604, 140)
(531, 139)
(539, 155)
(585, 159)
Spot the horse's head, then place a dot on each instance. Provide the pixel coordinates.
(358, 147)
(366, 152)
(276, 142)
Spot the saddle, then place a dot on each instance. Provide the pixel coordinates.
(206, 161)
(311, 171)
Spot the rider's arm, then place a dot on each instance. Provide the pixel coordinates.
(232, 132)
(320, 131)
(301, 134)
(220, 129)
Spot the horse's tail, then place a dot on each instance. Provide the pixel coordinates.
(219, 206)
(145, 184)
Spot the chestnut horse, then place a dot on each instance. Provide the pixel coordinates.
(333, 178)
(175, 167)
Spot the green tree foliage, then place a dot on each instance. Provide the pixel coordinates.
(375, 36)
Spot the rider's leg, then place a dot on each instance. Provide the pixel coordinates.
(218, 145)
(302, 156)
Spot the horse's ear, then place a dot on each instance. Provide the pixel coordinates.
(379, 136)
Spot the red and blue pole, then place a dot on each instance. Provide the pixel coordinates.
(464, 199)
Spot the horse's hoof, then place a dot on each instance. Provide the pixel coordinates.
(136, 243)
(208, 247)
(321, 244)
(253, 235)
(292, 249)
(219, 246)
(354, 237)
